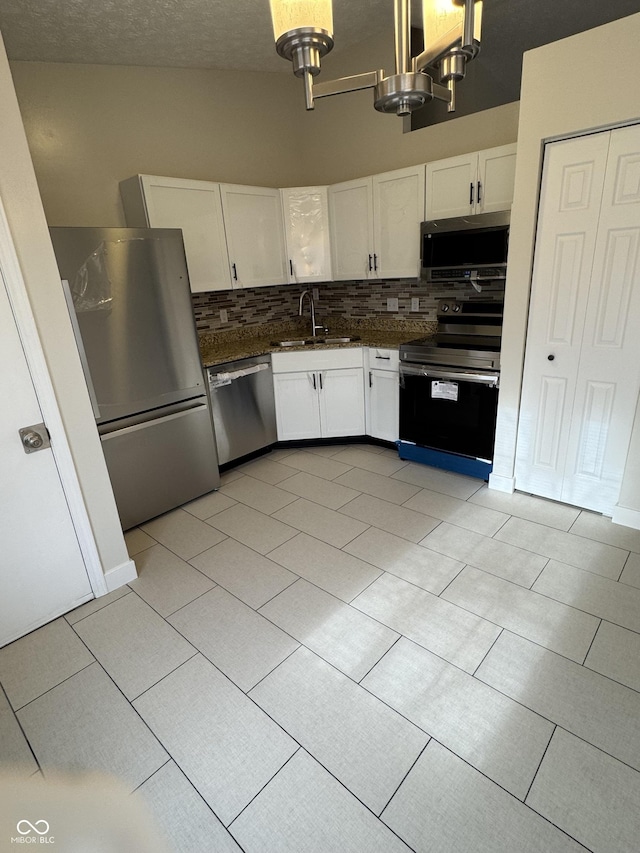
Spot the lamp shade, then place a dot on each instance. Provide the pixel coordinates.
(440, 17)
(288, 15)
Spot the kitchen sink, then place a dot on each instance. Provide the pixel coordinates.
(345, 339)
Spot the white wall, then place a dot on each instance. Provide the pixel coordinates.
(23, 206)
(91, 126)
(345, 137)
(586, 82)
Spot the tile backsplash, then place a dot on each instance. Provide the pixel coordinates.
(352, 299)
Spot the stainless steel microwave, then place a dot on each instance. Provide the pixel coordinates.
(465, 248)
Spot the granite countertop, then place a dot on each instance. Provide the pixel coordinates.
(220, 347)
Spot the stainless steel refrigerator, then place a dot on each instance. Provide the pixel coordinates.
(130, 304)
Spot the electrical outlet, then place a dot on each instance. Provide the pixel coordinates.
(224, 316)
(415, 303)
(316, 293)
(392, 303)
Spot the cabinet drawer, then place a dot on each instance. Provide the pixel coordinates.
(384, 359)
(287, 362)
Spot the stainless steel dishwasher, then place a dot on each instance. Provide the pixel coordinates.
(243, 406)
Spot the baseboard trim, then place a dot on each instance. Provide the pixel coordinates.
(120, 575)
(626, 516)
(502, 484)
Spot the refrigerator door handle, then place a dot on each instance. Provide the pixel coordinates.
(83, 355)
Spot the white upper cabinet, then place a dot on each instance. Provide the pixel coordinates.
(193, 206)
(398, 210)
(496, 178)
(375, 225)
(306, 230)
(351, 218)
(480, 182)
(255, 238)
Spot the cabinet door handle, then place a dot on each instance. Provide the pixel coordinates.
(370, 259)
(370, 380)
(313, 376)
(375, 263)
(291, 266)
(384, 357)
(320, 378)
(471, 193)
(235, 272)
(479, 194)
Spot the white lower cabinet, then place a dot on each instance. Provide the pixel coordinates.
(319, 394)
(341, 398)
(382, 393)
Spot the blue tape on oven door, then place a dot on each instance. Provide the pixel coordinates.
(441, 390)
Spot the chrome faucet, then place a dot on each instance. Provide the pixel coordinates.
(314, 325)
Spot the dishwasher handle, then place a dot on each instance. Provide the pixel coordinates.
(218, 380)
(450, 374)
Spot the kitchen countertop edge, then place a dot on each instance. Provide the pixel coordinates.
(217, 353)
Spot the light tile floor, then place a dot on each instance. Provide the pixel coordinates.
(340, 651)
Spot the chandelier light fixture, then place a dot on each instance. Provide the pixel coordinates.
(303, 32)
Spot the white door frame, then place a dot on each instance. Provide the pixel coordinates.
(19, 300)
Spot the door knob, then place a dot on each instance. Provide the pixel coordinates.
(35, 437)
(32, 440)
(551, 357)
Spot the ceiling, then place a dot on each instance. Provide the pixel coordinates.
(220, 34)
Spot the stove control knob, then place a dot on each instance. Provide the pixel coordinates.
(444, 307)
(456, 307)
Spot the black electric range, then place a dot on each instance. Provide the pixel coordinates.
(468, 335)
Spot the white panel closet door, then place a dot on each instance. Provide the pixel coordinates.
(609, 374)
(572, 182)
(577, 409)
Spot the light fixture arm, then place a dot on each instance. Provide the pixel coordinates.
(366, 80)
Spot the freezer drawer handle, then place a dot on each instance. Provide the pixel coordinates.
(110, 432)
(217, 380)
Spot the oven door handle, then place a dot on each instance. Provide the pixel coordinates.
(481, 378)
